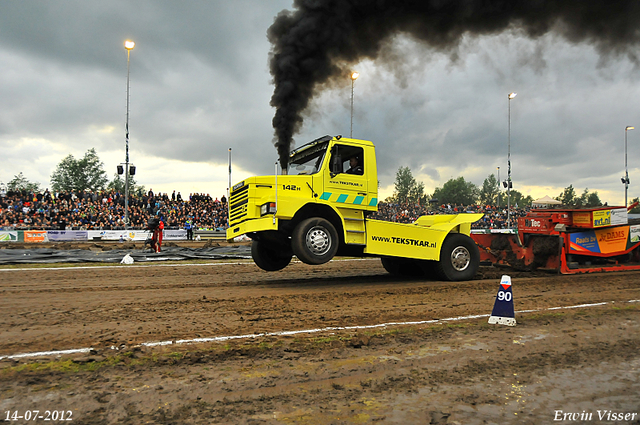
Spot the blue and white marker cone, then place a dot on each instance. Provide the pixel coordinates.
(503, 313)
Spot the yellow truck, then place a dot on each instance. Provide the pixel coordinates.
(319, 206)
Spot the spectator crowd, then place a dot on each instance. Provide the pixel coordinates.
(104, 210)
(494, 217)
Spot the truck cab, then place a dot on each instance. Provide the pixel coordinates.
(319, 207)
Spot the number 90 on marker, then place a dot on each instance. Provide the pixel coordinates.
(504, 296)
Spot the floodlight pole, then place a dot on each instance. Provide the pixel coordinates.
(510, 96)
(498, 187)
(229, 191)
(354, 76)
(626, 171)
(128, 45)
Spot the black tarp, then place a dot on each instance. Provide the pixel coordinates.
(45, 255)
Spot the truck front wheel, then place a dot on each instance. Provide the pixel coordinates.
(267, 257)
(314, 241)
(459, 258)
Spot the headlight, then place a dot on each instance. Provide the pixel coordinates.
(268, 208)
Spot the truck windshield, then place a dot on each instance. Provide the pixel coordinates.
(307, 161)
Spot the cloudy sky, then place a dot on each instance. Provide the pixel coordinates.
(200, 85)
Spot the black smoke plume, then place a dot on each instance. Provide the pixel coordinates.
(317, 42)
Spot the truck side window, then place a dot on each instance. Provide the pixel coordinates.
(354, 163)
(347, 159)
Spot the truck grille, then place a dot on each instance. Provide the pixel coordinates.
(238, 204)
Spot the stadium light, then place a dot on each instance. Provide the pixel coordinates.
(354, 76)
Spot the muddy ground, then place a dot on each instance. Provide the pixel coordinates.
(572, 361)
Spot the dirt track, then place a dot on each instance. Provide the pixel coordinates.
(574, 360)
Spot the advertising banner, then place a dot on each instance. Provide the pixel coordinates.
(116, 235)
(35, 236)
(9, 236)
(601, 241)
(174, 235)
(610, 217)
(634, 234)
(582, 218)
(619, 216)
(600, 218)
(66, 235)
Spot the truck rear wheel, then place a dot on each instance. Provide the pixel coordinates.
(314, 241)
(459, 258)
(404, 267)
(267, 257)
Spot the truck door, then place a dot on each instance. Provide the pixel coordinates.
(345, 187)
(346, 182)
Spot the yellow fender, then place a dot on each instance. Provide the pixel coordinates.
(460, 223)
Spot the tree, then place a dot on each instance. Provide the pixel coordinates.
(489, 191)
(457, 191)
(117, 184)
(636, 209)
(83, 174)
(593, 200)
(568, 196)
(588, 199)
(407, 189)
(519, 199)
(20, 184)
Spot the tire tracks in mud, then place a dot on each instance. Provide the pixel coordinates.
(63, 309)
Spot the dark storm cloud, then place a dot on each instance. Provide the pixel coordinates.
(81, 33)
(200, 84)
(64, 68)
(318, 41)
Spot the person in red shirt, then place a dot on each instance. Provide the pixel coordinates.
(157, 235)
(156, 226)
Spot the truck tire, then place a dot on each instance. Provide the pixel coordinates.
(391, 265)
(459, 258)
(430, 269)
(314, 241)
(404, 267)
(268, 258)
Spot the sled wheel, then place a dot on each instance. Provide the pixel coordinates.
(268, 258)
(459, 258)
(314, 241)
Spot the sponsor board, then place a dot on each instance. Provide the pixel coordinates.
(614, 217)
(116, 235)
(581, 218)
(67, 235)
(619, 216)
(135, 235)
(9, 236)
(601, 241)
(173, 235)
(634, 233)
(35, 236)
(600, 218)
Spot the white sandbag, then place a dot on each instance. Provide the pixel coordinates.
(127, 259)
